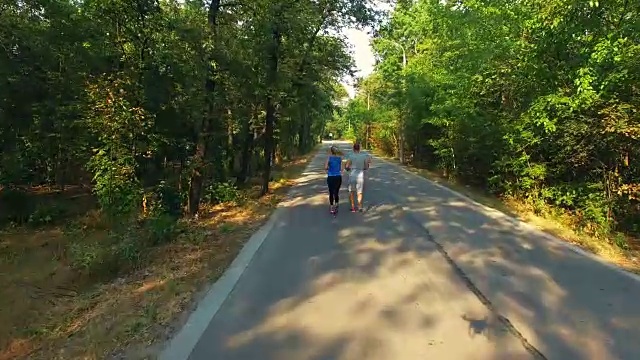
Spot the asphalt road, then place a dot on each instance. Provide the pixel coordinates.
(422, 274)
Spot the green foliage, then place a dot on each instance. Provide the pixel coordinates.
(122, 250)
(86, 258)
(163, 199)
(161, 229)
(217, 193)
(117, 189)
(170, 97)
(350, 134)
(46, 214)
(529, 99)
(158, 106)
(119, 127)
(163, 208)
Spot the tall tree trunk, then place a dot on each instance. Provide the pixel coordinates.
(307, 135)
(196, 179)
(203, 129)
(202, 152)
(304, 133)
(268, 144)
(366, 136)
(247, 140)
(301, 137)
(274, 53)
(231, 145)
(322, 130)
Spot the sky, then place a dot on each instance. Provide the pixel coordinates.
(362, 53)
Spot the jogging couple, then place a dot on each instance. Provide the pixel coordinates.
(356, 164)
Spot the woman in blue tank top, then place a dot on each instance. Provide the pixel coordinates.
(333, 166)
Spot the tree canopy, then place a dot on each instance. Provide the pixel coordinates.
(130, 96)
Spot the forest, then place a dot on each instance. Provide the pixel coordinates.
(121, 122)
(141, 141)
(537, 101)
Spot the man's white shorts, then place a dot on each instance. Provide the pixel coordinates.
(356, 181)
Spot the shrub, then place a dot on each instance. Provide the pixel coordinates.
(46, 214)
(217, 193)
(160, 229)
(104, 257)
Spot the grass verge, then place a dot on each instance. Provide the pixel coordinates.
(49, 312)
(557, 222)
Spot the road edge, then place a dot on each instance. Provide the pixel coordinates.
(180, 346)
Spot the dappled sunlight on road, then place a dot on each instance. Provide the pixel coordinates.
(565, 304)
(420, 274)
(385, 293)
(391, 311)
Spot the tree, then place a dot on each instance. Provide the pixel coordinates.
(130, 96)
(518, 97)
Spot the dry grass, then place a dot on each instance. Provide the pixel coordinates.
(48, 312)
(556, 222)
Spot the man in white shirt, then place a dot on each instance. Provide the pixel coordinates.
(357, 163)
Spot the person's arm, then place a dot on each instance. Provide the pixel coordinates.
(326, 164)
(347, 166)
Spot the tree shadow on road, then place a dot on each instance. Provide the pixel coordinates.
(360, 286)
(566, 305)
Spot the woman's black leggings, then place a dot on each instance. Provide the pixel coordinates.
(334, 183)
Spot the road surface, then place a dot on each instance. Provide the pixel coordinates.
(422, 274)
